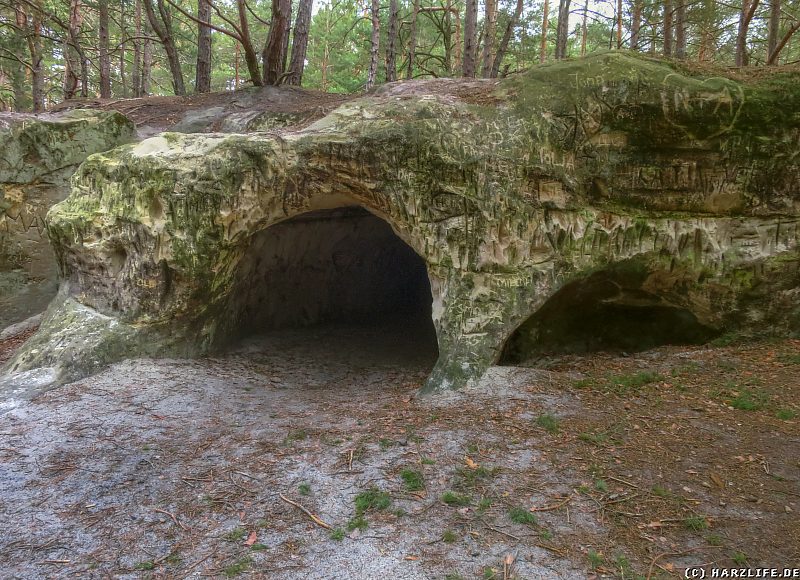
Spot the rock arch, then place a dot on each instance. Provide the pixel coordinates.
(508, 190)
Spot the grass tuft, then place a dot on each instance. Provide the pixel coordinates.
(452, 498)
(695, 523)
(548, 422)
(748, 400)
(372, 499)
(412, 480)
(522, 516)
(238, 567)
(449, 536)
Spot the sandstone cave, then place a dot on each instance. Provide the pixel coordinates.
(341, 269)
(606, 311)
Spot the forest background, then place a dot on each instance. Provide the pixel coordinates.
(55, 50)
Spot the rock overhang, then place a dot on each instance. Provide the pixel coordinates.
(508, 191)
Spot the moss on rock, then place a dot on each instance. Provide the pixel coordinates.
(565, 170)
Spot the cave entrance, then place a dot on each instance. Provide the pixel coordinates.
(603, 312)
(341, 278)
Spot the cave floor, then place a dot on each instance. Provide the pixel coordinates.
(594, 465)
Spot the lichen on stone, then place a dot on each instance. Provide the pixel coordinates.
(561, 172)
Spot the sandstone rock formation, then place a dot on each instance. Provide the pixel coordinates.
(613, 180)
(38, 155)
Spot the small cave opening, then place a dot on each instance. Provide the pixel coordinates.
(602, 313)
(340, 280)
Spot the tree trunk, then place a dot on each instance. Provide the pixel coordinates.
(72, 59)
(619, 24)
(37, 57)
(391, 42)
(287, 30)
(147, 67)
(374, 44)
(667, 27)
(136, 78)
(250, 56)
(562, 30)
(162, 26)
(636, 24)
(545, 23)
(490, 23)
(458, 47)
(202, 79)
(707, 31)
(300, 42)
(20, 72)
(680, 29)
(470, 38)
(745, 17)
(123, 39)
(774, 29)
(273, 57)
(412, 40)
(773, 56)
(584, 27)
(105, 61)
(503, 46)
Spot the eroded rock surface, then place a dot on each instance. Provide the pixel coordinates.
(38, 154)
(684, 189)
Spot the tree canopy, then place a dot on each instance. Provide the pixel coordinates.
(54, 50)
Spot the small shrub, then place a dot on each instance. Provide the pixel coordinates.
(785, 414)
(428, 461)
(304, 489)
(740, 558)
(485, 504)
(600, 485)
(337, 534)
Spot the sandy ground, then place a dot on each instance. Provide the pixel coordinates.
(175, 468)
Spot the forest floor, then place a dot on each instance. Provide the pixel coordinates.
(309, 455)
(154, 114)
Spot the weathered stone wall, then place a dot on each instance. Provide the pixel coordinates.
(38, 155)
(507, 194)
